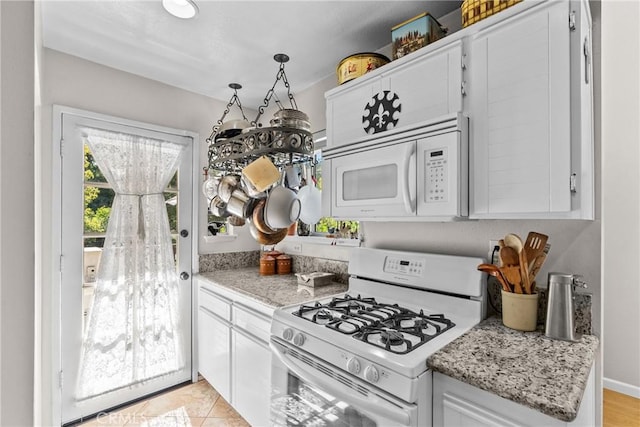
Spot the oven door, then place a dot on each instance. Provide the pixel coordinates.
(306, 391)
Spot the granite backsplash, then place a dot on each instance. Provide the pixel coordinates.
(582, 316)
(300, 264)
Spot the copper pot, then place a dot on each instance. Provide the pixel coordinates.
(264, 238)
(258, 218)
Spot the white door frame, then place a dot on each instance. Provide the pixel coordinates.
(56, 238)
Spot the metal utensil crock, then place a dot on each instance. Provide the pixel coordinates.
(560, 307)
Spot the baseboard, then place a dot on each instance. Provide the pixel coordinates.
(620, 387)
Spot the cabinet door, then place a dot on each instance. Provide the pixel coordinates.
(345, 110)
(214, 346)
(251, 377)
(520, 112)
(429, 86)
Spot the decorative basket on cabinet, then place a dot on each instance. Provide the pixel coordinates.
(476, 10)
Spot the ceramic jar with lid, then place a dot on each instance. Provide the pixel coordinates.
(267, 265)
(283, 264)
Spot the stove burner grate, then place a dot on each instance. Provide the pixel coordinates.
(388, 326)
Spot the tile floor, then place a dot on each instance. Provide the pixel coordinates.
(193, 405)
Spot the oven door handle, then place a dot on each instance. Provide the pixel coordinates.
(372, 403)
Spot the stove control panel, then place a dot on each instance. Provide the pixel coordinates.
(410, 267)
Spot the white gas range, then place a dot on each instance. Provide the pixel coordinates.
(359, 358)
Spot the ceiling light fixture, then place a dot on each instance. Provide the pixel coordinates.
(184, 9)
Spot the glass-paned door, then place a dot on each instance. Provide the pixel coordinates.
(126, 254)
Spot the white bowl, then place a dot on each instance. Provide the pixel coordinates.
(282, 208)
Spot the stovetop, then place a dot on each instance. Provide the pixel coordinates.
(387, 326)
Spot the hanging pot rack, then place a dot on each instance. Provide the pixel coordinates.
(282, 144)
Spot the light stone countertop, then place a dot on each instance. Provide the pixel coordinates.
(525, 367)
(274, 290)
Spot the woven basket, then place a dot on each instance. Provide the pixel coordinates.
(476, 10)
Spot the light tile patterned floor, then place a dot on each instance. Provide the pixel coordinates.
(193, 405)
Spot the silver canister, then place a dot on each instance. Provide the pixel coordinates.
(560, 306)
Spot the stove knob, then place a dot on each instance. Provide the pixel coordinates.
(287, 334)
(298, 340)
(371, 374)
(353, 365)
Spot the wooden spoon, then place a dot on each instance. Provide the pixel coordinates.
(509, 256)
(514, 241)
(513, 276)
(494, 271)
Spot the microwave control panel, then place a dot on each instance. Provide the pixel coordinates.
(442, 175)
(436, 175)
(411, 267)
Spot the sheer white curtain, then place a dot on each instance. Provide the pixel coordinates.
(133, 329)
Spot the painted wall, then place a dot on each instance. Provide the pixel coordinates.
(621, 194)
(16, 213)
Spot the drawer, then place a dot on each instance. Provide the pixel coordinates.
(215, 304)
(255, 324)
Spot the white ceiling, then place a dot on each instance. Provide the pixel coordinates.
(229, 41)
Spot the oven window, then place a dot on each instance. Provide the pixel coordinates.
(306, 406)
(379, 182)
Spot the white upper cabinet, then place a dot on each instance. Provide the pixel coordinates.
(523, 78)
(529, 102)
(410, 90)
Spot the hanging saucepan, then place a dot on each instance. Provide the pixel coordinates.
(240, 204)
(228, 184)
(217, 207)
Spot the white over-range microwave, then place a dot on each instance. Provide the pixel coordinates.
(418, 172)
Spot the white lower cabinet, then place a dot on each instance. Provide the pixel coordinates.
(251, 376)
(214, 356)
(233, 350)
(457, 404)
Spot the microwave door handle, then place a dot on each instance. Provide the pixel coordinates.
(409, 202)
(371, 404)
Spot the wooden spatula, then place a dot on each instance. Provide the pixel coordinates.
(534, 246)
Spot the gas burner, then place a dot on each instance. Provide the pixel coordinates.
(349, 303)
(391, 337)
(322, 316)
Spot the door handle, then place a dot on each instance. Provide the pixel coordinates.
(184, 233)
(184, 275)
(587, 59)
(409, 202)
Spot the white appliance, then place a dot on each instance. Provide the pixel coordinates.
(420, 172)
(359, 358)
